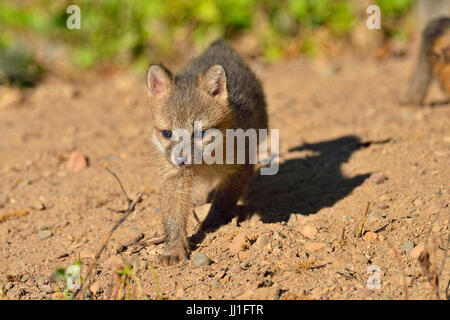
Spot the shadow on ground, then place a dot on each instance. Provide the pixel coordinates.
(439, 103)
(305, 185)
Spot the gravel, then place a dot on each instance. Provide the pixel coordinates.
(201, 259)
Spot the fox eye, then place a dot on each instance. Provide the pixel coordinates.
(166, 134)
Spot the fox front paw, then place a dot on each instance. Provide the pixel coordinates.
(172, 257)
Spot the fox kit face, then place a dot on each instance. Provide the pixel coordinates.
(180, 104)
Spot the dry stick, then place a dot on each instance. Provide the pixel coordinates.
(361, 228)
(121, 186)
(424, 262)
(430, 231)
(155, 240)
(435, 268)
(131, 208)
(405, 287)
(106, 239)
(195, 216)
(447, 291)
(444, 259)
(342, 242)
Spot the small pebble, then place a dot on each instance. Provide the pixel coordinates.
(3, 200)
(378, 177)
(245, 264)
(309, 231)
(264, 293)
(278, 235)
(408, 246)
(235, 268)
(237, 243)
(113, 159)
(77, 162)
(201, 259)
(179, 293)
(262, 241)
(23, 183)
(87, 254)
(370, 236)
(374, 215)
(242, 255)
(37, 205)
(293, 220)
(383, 206)
(44, 234)
(348, 218)
(314, 246)
(363, 293)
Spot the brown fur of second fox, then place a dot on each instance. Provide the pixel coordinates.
(433, 61)
(220, 90)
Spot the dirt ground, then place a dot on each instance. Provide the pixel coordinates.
(344, 141)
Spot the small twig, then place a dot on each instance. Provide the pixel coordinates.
(432, 276)
(121, 186)
(342, 241)
(368, 143)
(17, 213)
(430, 231)
(361, 228)
(126, 245)
(444, 259)
(195, 216)
(155, 240)
(447, 291)
(425, 264)
(158, 288)
(116, 288)
(131, 208)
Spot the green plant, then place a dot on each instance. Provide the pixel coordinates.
(122, 288)
(71, 277)
(134, 32)
(392, 12)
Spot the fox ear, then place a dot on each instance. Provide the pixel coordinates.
(215, 82)
(159, 80)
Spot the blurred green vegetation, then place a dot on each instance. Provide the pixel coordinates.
(134, 31)
(17, 66)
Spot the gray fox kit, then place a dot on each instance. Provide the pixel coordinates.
(433, 61)
(219, 90)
